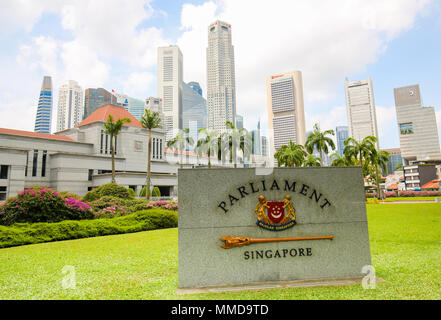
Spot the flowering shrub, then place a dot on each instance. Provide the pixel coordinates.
(109, 207)
(419, 193)
(111, 212)
(42, 204)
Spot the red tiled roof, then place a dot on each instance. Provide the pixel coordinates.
(35, 134)
(393, 187)
(434, 184)
(117, 112)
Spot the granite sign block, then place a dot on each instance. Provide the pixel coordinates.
(237, 227)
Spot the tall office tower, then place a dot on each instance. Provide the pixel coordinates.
(95, 98)
(360, 108)
(394, 160)
(170, 73)
(136, 107)
(194, 108)
(43, 120)
(286, 115)
(239, 121)
(221, 83)
(417, 126)
(342, 133)
(255, 135)
(264, 146)
(70, 105)
(196, 87)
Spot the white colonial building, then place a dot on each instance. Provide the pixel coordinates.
(79, 159)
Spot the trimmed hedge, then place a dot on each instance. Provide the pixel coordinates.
(392, 194)
(108, 189)
(25, 233)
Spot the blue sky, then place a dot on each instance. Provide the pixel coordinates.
(113, 44)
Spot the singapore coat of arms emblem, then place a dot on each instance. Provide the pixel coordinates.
(275, 215)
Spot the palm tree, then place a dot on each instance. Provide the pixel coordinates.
(320, 140)
(180, 141)
(379, 159)
(290, 155)
(311, 161)
(338, 161)
(113, 128)
(150, 120)
(236, 139)
(209, 143)
(360, 150)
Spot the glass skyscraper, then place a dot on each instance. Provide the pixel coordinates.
(194, 108)
(136, 107)
(95, 98)
(342, 133)
(43, 120)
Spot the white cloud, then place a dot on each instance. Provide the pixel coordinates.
(138, 83)
(326, 40)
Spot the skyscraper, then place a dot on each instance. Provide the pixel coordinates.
(136, 107)
(360, 108)
(418, 130)
(264, 146)
(95, 98)
(239, 121)
(286, 115)
(255, 135)
(342, 133)
(70, 105)
(43, 120)
(194, 108)
(394, 160)
(170, 76)
(221, 83)
(196, 87)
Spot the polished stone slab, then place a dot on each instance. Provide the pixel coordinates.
(218, 202)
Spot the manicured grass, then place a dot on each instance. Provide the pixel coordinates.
(405, 247)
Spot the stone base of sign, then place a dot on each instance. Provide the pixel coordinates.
(276, 285)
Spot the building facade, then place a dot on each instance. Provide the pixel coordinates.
(360, 108)
(264, 145)
(239, 121)
(170, 81)
(95, 98)
(286, 115)
(70, 105)
(394, 159)
(79, 159)
(194, 108)
(221, 78)
(342, 133)
(417, 175)
(43, 119)
(418, 132)
(136, 107)
(196, 87)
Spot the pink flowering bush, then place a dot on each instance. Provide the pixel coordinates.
(42, 204)
(111, 212)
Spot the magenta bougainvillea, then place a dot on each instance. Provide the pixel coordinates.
(42, 204)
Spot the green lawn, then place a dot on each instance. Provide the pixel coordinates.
(405, 247)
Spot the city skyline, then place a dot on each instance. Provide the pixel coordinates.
(381, 59)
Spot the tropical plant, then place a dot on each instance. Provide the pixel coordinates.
(113, 128)
(290, 155)
(150, 120)
(320, 140)
(236, 139)
(209, 143)
(379, 159)
(108, 189)
(360, 150)
(342, 161)
(180, 141)
(311, 161)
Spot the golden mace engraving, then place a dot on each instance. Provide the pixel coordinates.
(231, 241)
